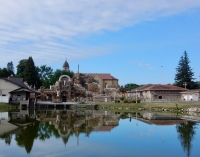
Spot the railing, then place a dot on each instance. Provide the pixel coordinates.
(17, 98)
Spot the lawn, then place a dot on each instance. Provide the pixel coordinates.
(167, 105)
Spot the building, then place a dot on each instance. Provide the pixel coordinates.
(65, 66)
(13, 89)
(158, 92)
(105, 80)
(191, 95)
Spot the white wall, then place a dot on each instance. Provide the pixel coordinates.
(7, 86)
(4, 99)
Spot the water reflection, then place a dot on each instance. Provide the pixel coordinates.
(186, 135)
(25, 127)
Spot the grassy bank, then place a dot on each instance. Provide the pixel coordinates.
(167, 105)
(8, 107)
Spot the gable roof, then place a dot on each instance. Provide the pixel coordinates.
(153, 87)
(103, 76)
(17, 81)
(22, 89)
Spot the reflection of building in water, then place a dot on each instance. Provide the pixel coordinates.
(77, 122)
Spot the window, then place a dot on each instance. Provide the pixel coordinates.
(3, 94)
(18, 95)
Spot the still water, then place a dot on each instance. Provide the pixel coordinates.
(92, 133)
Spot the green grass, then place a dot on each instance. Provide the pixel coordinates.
(167, 105)
(8, 107)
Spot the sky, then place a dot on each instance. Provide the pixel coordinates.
(136, 41)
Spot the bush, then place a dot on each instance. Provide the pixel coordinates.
(122, 98)
(133, 101)
(125, 101)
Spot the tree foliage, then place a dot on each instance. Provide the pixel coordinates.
(21, 67)
(10, 66)
(186, 134)
(30, 72)
(131, 85)
(184, 73)
(44, 74)
(5, 73)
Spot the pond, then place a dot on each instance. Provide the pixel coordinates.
(89, 133)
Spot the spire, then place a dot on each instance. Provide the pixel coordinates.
(78, 68)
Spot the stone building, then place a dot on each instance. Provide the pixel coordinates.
(70, 89)
(105, 80)
(158, 92)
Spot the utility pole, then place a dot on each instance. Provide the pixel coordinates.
(185, 84)
(161, 75)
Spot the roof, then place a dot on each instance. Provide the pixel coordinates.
(192, 91)
(66, 64)
(22, 89)
(17, 81)
(124, 89)
(104, 76)
(154, 87)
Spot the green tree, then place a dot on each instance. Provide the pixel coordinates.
(45, 73)
(184, 73)
(186, 134)
(30, 72)
(131, 85)
(10, 66)
(58, 73)
(21, 67)
(5, 73)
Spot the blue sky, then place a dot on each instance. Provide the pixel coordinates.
(130, 39)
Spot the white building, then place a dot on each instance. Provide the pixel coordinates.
(13, 89)
(191, 95)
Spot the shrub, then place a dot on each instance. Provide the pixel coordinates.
(125, 101)
(133, 101)
(122, 98)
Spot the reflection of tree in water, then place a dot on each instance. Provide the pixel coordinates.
(27, 136)
(186, 134)
(7, 138)
(46, 130)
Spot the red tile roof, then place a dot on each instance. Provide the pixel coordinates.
(105, 76)
(153, 87)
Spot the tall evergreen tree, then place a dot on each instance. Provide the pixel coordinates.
(184, 75)
(10, 66)
(30, 73)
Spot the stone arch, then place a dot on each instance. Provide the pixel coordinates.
(64, 76)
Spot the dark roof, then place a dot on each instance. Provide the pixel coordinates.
(104, 76)
(17, 81)
(154, 87)
(66, 64)
(22, 89)
(124, 89)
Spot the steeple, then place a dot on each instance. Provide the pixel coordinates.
(65, 66)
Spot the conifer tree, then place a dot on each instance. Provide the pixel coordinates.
(30, 73)
(184, 75)
(10, 66)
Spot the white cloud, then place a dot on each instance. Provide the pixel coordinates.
(146, 65)
(48, 27)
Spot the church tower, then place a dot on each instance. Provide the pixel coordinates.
(65, 66)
